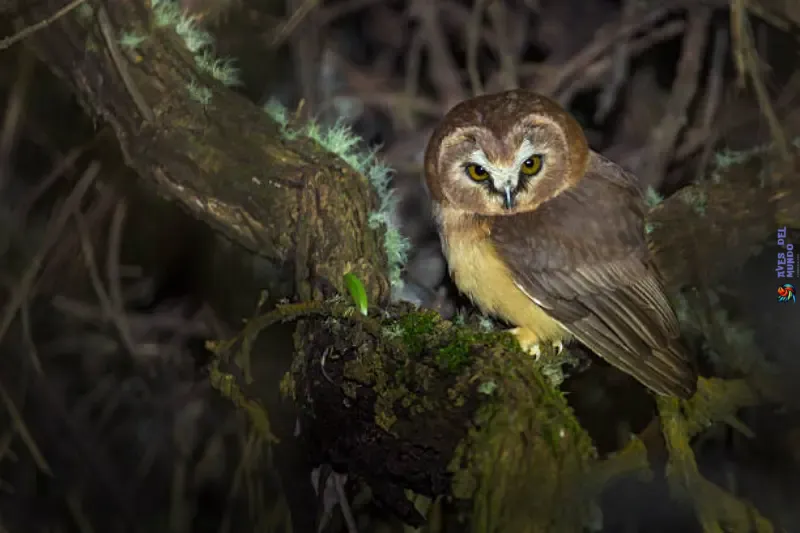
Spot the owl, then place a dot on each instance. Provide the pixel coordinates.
(548, 235)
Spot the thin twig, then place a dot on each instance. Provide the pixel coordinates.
(109, 311)
(749, 65)
(59, 168)
(25, 315)
(345, 506)
(119, 62)
(306, 50)
(329, 14)
(51, 238)
(442, 70)
(619, 71)
(716, 77)
(473, 42)
(24, 432)
(25, 32)
(113, 275)
(14, 112)
(509, 77)
(287, 28)
(712, 99)
(684, 89)
(607, 36)
(157, 321)
(413, 69)
(594, 74)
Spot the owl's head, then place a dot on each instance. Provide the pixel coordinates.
(504, 153)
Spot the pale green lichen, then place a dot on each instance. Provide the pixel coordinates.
(487, 387)
(199, 93)
(553, 364)
(221, 69)
(393, 331)
(694, 197)
(460, 318)
(168, 14)
(278, 112)
(165, 13)
(342, 141)
(195, 38)
(653, 197)
(486, 323)
(85, 11)
(131, 40)
(726, 158)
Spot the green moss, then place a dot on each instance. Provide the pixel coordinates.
(523, 456)
(457, 343)
(716, 508)
(369, 369)
(416, 328)
(288, 387)
(527, 455)
(695, 198)
(462, 344)
(456, 355)
(419, 335)
(225, 383)
(526, 445)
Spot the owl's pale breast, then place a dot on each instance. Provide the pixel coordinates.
(480, 274)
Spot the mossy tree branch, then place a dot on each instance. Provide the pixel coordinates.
(300, 208)
(733, 215)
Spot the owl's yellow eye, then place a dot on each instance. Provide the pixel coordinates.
(477, 172)
(532, 165)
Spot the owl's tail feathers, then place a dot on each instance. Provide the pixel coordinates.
(671, 371)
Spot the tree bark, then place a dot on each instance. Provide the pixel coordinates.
(302, 210)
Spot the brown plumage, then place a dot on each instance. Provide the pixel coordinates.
(559, 252)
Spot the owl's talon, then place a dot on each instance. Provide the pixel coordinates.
(535, 350)
(527, 341)
(559, 347)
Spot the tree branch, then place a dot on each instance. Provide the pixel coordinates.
(284, 198)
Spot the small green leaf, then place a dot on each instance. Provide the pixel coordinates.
(357, 292)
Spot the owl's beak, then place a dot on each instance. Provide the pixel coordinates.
(508, 197)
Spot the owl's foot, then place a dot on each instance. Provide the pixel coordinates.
(529, 342)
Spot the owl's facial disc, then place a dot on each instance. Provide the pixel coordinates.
(506, 180)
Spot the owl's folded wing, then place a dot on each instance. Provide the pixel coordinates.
(583, 258)
(619, 311)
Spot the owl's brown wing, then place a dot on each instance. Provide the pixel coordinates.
(584, 259)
